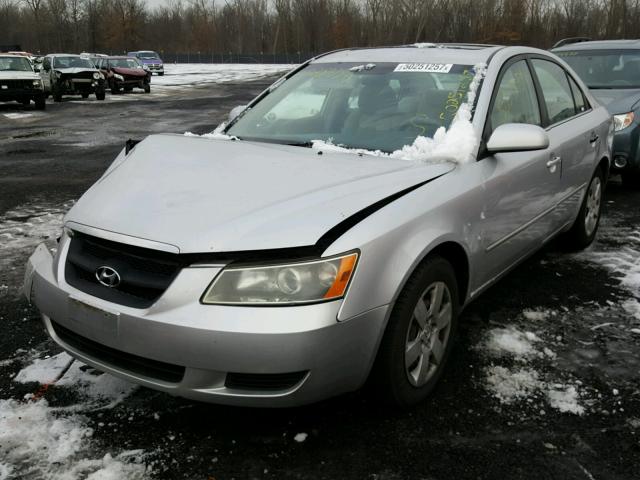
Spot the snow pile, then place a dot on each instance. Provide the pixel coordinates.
(424, 45)
(509, 386)
(100, 390)
(300, 437)
(511, 341)
(457, 144)
(37, 442)
(565, 399)
(40, 441)
(622, 262)
(523, 383)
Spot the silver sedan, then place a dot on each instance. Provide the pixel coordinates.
(331, 233)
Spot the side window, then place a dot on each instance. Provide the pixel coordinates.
(578, 96)
(555, 90)
(515, 100)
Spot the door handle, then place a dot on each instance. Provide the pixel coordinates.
(553, 163)
(594, 137)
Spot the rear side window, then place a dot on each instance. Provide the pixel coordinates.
(556, 91)
(578, 97)
(515, 99)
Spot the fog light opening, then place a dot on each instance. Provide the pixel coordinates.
(620, 162)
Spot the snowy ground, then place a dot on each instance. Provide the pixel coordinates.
(543, 383)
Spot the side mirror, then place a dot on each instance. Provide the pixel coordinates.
(517, 137)
(235, 112)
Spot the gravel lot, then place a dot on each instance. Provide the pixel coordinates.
(543, 382)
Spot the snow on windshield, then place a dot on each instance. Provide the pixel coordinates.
(457, 143)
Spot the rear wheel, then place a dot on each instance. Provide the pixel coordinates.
(419, 336)
(100, 94)
(585, 227)
(147, 88)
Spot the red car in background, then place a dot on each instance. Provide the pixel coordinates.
(124, 73)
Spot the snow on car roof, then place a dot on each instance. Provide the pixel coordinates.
(466, 54)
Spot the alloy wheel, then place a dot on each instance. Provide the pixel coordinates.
(428, 334)
(592, 211)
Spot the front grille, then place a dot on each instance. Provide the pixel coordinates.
(16, 84)
(263, 381)
(144, 273)
(127, 362)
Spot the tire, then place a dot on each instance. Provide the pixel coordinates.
(128, 89)
(408, 366)
(100, 94)
(161, 74)
(25, 102)
(57, 94)
(585, 227)
(41, 103)
(85, 94)
(631, 180)
(114, 88)
(147, 88)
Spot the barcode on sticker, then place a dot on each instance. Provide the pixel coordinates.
(424, 67)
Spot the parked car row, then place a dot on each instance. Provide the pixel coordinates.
(25, 78)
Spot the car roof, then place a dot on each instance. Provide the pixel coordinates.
(600, 45)
(65, 55)
(463, 53)
(117, 57)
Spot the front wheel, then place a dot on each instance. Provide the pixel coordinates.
(147, 88)
(419, 336)
(100, 94)
(85, 94)
(57, 94)
(585, 227)
(41, 104)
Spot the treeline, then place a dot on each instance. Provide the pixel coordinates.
(308, 26)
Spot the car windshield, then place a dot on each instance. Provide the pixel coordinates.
(148, 55)
(376, 107)
(124, 63)
(605, 68)
(72, 62)
(20, 64)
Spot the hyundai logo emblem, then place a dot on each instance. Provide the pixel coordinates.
(107, 276)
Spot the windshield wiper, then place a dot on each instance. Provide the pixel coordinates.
(306, 144)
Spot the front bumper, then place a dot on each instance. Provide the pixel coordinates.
(626, 150)
(211, 343)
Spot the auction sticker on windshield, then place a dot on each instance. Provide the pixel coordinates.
(424, 67)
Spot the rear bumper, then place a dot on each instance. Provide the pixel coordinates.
(216, 346)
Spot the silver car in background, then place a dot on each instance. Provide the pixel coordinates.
(333, 231)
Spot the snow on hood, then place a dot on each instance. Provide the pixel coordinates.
(18, 75)
(457, 144)
(203, 195)
(617, 100)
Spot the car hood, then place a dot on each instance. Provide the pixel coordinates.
(18, 75)
(134, 72)
(202, 195)
(617, 100)
(74, 70)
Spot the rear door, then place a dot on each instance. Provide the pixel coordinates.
(571, 131)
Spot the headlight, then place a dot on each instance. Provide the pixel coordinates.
(119, 77)
(622, 121)
(96, 75)
(36, 83)
(294, 283)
